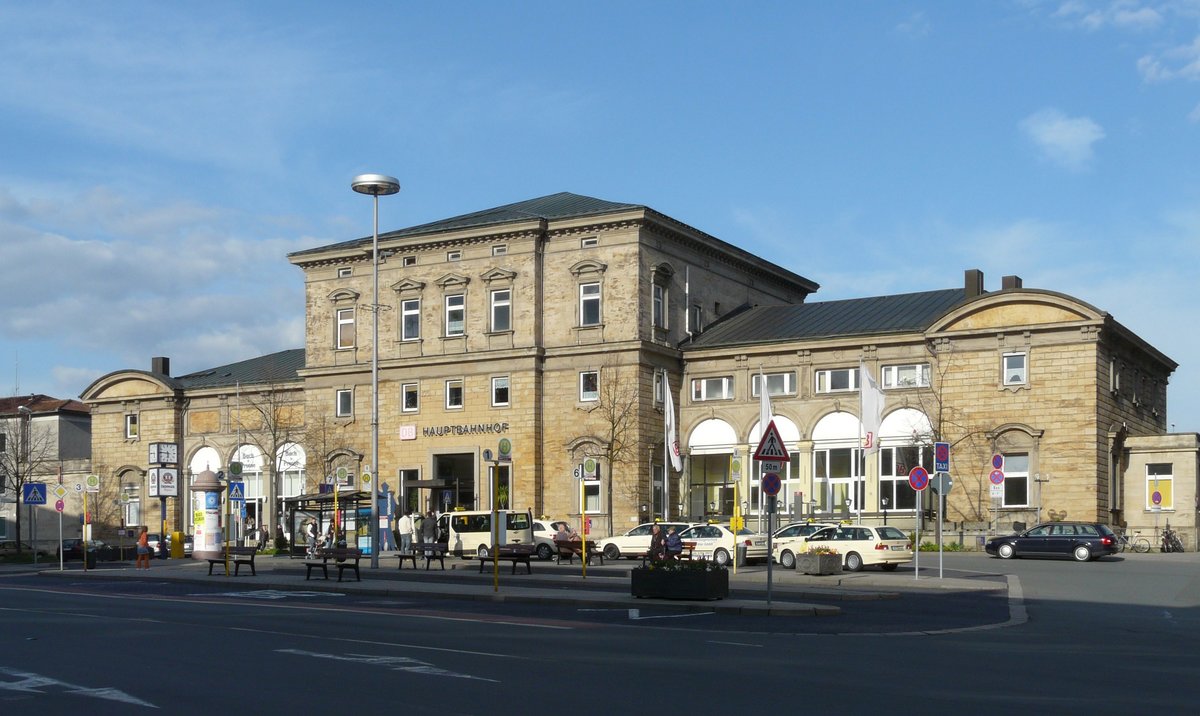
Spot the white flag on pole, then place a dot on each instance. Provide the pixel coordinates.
(672, 443)
(764, 404)
(872, 409)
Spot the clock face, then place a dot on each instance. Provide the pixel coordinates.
(170, 452)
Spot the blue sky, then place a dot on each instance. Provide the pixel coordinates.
(159, 160)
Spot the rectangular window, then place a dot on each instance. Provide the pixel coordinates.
(1015, 369)
(409, 261)
(591, 497)
(777, 384)
(712, 388)
(344, 403)
(131, 426)
(1159, 483)
(410, 397)
(589, 304)
(658, 313)
(456, 314)
(1016, 480)
(589, 242)
(589, 385)
(500, 391)
(658, 387)
(838, 480)
(454, 394)
(695, 319)
(894, 465)
(913, 375)
(410, 319)
(836, 380)
(454, 256)
(345, 272)
(501, 310)
(502, 474)
(499, 250)
(345, 328)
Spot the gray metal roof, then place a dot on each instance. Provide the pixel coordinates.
(278, 367)
(562, 205)
(831, 319)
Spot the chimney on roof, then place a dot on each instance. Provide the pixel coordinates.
(1010, 282)
(973, 282)
(161, 364)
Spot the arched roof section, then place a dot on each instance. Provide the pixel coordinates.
(904, 426)
(1016, 309)
(787, 430)
(712, 435)
(206, 458)
(838, 426)
(128, 384)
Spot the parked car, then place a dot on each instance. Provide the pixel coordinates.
(187, 544)
(1081, 540)
(860, 546)
(719, 543)
(543, 537)
(8, 548)
(635, 542)
(73, 548)
(788, 541)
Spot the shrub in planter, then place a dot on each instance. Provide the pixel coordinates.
(674, 579)
(819, 561)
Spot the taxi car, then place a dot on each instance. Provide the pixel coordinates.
(636, 541)
(860, 545)
(543, 536)
(788, 541)
(719, 543)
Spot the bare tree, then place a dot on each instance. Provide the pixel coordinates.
(322, 436)
(613, 425)
(26, 452)
(270, 417)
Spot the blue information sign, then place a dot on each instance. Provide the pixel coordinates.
(34, 493)
(941, 457)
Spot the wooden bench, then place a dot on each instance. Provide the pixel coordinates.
(515, 553)
(429, 550)
(237, 555)
(569, 549)
(688, 549)
(344, 558)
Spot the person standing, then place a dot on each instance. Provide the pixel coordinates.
(405, 528)
(143, 549)
(429, 528)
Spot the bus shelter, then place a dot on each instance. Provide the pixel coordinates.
(353, 518)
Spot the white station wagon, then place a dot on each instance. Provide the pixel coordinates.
(719, 543)
(859, 545)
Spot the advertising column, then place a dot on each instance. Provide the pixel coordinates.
(207, 515)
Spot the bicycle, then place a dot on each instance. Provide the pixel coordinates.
(1134, 543)
(1171, 541)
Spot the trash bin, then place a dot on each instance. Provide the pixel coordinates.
(91, 557)
(741, 555)
(176, 543)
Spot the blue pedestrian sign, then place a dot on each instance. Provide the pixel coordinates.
(237, 492)
(34, 493)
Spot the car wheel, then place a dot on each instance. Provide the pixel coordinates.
(544, 551)
(787, 559)
(890, 567)
(721, 557)
(483, 551)
(854, 562)
(1081, 553)
(611, 551)
(1005, 551)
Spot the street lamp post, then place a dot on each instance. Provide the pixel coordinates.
(376, 185)
(28, 433)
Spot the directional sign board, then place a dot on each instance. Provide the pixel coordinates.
(941, 457)
(771, 447)
(918, 478)
(33, 493)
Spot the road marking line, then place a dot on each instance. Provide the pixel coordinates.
(395, 663)
(31, 683)
(734, 643)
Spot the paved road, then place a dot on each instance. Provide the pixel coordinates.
(1116, 636)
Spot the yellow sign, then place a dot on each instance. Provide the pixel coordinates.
(198, 517)
(366, 478)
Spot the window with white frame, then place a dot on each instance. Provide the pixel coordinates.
(409, 261)
(454, 256)
(501, 474)
(658, 387)
(712, 388)
(911, 375)
(454, 394)
(501, 310)
(894, 465)
(345, 272)
(1160, 481)
(343, 403)
(589, 385)
(589, 304)
(410, 397)
(500, 391)
(1016, 480)
(456, 314)
(131, 426)
(344, 331)
(658, 311)
(591, 493)
(1015, 369)
(410, 319)
(696, 318)
(588, 242)
(777, 383)
(838, 480)
(836, 380)
(499, 250)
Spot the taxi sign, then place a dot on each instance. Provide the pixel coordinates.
(771, 446)
(941, 457)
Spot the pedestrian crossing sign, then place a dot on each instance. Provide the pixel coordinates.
(771, 446)
(236, 493)
(34, 493)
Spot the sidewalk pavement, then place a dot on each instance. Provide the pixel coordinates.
(605, 586)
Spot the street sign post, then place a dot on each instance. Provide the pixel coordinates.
(33, 493)
(918, 478)
(941, 457)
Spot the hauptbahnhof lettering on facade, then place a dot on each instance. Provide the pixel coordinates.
(473, 429)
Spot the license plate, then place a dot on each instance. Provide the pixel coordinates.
(897, 548)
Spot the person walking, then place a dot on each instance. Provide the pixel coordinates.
(405, 528)
(143, 549)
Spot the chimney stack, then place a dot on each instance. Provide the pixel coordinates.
(161, 364)
(1010, 282)
(973, 283)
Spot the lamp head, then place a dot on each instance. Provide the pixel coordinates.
(375, 184)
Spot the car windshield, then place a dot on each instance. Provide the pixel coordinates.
(890, 533)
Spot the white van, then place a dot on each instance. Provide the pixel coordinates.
(470, 532)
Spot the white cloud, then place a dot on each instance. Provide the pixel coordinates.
(1194, 115)
(1119, 14)
(1065, 141)
(1181, 62)
(916, 25)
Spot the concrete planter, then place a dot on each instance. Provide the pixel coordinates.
(679, 583)
(819, 564)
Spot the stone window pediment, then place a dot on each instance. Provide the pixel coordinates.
(498, 275)
(453, 281)
(344, 295)
(662, 274)
(408, 285)
(588, 266)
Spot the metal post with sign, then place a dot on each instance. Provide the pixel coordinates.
(773, 455)
(918, 480)
(941, 483)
